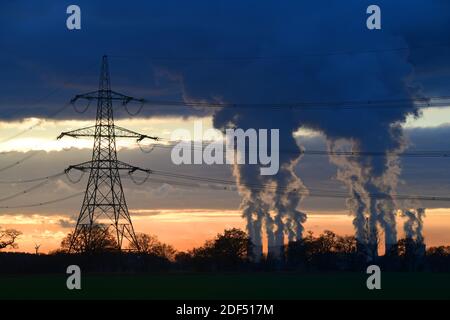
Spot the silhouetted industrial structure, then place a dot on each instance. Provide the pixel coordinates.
(104, 205)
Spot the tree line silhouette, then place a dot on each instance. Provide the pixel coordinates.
(228, 251)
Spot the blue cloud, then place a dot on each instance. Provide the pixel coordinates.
(40, 55)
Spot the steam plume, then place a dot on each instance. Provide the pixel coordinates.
(384, 75)
(413, 226)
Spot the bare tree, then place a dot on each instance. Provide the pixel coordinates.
(98, 240)
(8, 238)
(36, 247)
(227, 249)
(145, 243)
(149, 244)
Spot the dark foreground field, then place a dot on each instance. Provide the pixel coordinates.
(228, 286)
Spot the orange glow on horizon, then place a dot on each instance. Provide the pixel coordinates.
(186, 229)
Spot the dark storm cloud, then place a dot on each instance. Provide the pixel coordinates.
(39, 55)
(66, 223)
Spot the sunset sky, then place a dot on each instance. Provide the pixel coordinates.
(185, 53)
(186, 216)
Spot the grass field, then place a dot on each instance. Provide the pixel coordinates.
(228, 286)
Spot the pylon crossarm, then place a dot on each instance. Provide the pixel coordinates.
(126, 133)
(119, 132)
(88, 95)
(106, 164)
(83, 132)
(81, 166)
(124, 98)
(131, 169)
(98, 94)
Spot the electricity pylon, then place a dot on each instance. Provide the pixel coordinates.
(104, 204)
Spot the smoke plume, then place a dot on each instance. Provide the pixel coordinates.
(376, 71)
(413, 226)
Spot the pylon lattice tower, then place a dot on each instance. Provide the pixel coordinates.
(104, 198)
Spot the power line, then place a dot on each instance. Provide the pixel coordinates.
(38, 204)
(428, 102)
(44, 180)
(23, 192)
(37, 124)
(321, 193)
(32, 180)
(412, 154)
(311, 192)
(289, 57)
(51, 115)
(20, 161)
